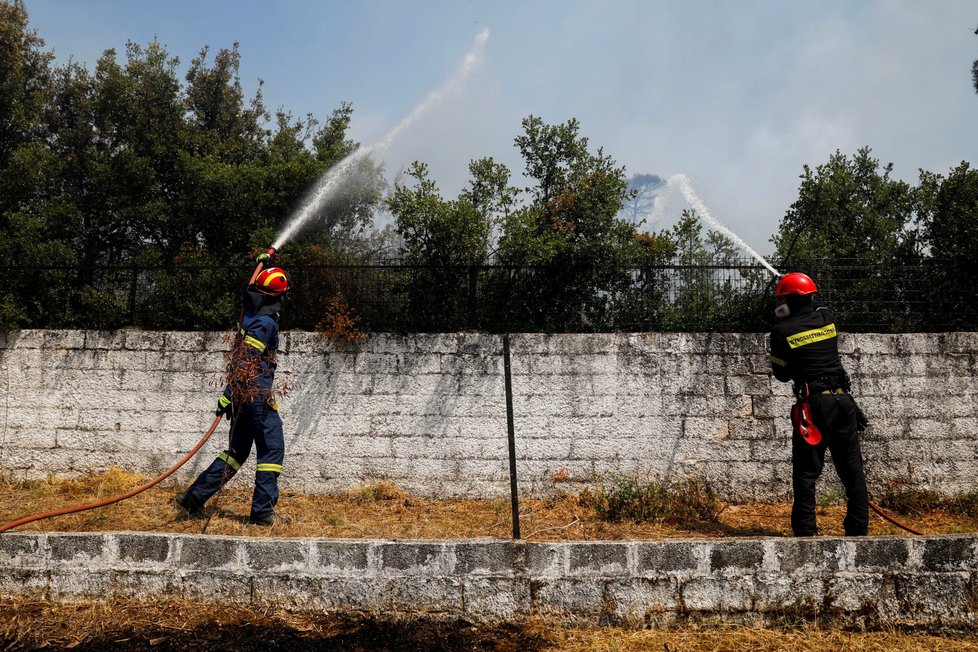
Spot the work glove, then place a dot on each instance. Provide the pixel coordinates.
(223, 407)
(263, 257)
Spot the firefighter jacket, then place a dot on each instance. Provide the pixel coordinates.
(251, 369)
(804, 349)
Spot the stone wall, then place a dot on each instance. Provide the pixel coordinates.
(428, 411)
(871, 582)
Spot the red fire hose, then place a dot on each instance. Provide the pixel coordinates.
(885, 517)
(129, 494)
(120, 497)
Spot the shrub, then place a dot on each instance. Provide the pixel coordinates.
(341, 325)
(680, 502)
(904, 498)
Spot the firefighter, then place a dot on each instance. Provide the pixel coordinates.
(804, 350)
(249, 402)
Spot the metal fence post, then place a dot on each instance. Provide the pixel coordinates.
(473, 285)
(514, 493)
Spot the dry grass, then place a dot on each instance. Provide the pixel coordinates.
(383, 510)
(755, 640)
(180, 625)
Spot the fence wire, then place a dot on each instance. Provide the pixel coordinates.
(391, 296)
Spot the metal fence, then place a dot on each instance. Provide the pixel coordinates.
(391, 296)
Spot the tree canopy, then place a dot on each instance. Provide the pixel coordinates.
(134, 193)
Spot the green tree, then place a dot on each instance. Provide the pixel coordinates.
(126, 165)
(448, 240)
(851, 230)
(948, 220)
(26, 169)
(25, 82)
(570, 231)
(711, 290)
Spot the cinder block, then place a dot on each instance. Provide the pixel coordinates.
(142, 549)
(208, 552)
(496, 598)
(809, 556)
(882, 554)
(276, 555)
(597, 559)
(717, 594)
(427, 594)
(492, 558)
(186, 341)
(21, 550)
(736, 557)
(15, 581)
(210, 585)
(140, 584)
(753, 384)
(637, 599)
(790, 595)
(63, 340)
(949, 553)
(545, 559)
(658, 558)
(859, 593)
(340, 557)
(143, 341)
(415, 559)
(106, 340)
(69, 584)
(580, 601)
(926, 598)
(76, 549)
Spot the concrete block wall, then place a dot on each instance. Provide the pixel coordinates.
(927, 583)
(428, 411)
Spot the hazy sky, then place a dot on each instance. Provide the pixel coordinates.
(737, 95)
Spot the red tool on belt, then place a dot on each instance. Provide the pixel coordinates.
(801, 420)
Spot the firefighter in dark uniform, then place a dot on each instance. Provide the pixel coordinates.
(250, 404)
(804, 350)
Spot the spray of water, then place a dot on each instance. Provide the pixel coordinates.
(685, 186)
(343, 172)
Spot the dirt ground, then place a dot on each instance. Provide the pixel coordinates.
(185, 626)
(384, 511)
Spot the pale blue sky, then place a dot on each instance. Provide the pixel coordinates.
(736, 95)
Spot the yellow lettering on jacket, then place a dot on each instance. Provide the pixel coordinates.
(810, 337)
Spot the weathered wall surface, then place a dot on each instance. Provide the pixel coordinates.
(428, 411)
(880, 582)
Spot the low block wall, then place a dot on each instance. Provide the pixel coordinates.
(428, 411)
(873, 582)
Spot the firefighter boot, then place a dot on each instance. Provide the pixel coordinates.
(271, 519)
(193, 507)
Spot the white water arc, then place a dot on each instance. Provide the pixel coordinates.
(334, 178)
(685, 186)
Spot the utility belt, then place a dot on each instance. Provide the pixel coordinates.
(801, 412)
(830, 384)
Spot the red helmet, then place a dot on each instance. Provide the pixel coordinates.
(272, 281)
(795, 283)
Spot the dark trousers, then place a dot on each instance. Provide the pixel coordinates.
(253, 424)
(835, 416)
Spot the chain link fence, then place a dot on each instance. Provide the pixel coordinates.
(391, 296)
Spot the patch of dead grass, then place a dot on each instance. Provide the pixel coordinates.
(384, 510)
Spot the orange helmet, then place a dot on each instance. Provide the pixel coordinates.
(795, 283)
(272, 281)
